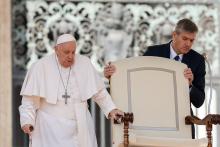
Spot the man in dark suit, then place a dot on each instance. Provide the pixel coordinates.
(179, 49)
(180, 45)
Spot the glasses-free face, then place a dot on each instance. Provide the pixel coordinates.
(66, 53)
(183, 41)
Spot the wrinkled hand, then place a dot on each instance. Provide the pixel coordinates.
(115, 114)
(188, 75)
(28, 128)
(109, 70)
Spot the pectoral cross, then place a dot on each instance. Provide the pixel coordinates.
(65, 96)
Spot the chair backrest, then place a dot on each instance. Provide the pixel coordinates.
(157, 93)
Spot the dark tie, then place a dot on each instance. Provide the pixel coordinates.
(177, 58)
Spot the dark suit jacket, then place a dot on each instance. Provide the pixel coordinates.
(193, 60)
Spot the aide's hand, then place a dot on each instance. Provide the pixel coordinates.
(109, 70)
(188, 75)
(28, 128)
(115, 114)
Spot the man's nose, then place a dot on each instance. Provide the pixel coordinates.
(70, 56)
(188, 43)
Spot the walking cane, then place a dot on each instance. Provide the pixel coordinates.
(30, 137)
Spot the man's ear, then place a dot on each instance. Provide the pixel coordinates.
(56, 48)
(173, 34)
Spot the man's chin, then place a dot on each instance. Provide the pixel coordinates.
(67, 65)
(185, 51)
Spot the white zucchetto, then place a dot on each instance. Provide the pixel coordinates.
(65, 38)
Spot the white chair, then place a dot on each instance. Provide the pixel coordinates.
(155, 90)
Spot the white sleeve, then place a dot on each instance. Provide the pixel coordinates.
(27, 109)
(104, 100)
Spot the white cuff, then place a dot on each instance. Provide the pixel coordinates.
(27, 111)
(104, 100)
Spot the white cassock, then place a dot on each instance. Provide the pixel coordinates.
(57, 124)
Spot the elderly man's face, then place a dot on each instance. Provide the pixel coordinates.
(66, 53)
(183, 41)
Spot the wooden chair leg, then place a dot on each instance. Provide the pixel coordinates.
(209, 134)
(208, 121)
(126, 119)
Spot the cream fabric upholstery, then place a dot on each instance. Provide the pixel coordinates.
(157, 93)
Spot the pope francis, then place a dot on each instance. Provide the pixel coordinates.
(55, 91)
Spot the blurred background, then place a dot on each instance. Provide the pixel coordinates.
(106, 30)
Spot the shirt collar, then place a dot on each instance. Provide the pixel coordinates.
(173, 54)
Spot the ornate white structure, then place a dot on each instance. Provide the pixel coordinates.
(116, 29)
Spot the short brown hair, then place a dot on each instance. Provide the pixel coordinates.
(186, 25)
